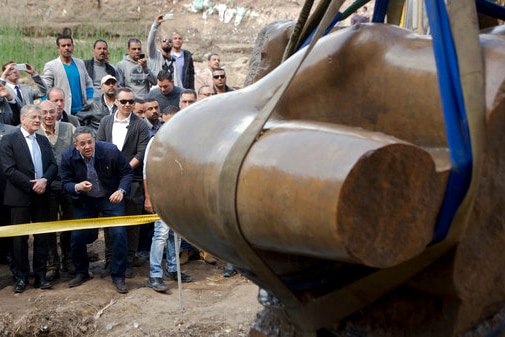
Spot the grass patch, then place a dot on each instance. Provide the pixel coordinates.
(36, 46)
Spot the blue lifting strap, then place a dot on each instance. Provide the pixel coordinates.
(490, 8)
(380, 10)
(456, 124)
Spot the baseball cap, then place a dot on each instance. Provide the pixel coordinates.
(106, 78)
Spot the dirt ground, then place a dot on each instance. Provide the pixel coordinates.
(212, 305)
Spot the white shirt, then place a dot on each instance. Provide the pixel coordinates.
(119, 130)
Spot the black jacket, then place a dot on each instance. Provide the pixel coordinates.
(91, 70)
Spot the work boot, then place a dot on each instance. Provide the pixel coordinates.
(172, 276)
(157, 284)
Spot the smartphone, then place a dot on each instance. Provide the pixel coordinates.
(142, 56)
(20, 66)
(168, 16)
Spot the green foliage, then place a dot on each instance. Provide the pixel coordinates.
(25, 45)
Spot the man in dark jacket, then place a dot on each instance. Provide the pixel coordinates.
(97, 176)
(102, 106)
(130, 134)
(184, 62)
(99, 66)
(29, 165)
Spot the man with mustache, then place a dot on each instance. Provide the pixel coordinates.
(161, 59)
(99, 66)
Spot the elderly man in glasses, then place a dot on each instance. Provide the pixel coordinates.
(131, 135)
(219, 79)
(161, 59)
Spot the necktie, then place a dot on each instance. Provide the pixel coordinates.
(18, 92)
(36, 157)
(92, 177)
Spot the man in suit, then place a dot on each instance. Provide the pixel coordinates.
(23, 94)
(5, 219)
(60, 137)
(57, 96)
(69, 74)
(98, 177)
(29, 165)
(131, 135)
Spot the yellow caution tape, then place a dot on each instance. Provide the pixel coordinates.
(68, 225)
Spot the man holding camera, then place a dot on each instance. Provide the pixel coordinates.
(22, 94)
(133, 73)
(161, 59)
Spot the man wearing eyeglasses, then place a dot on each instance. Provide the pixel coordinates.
(98, 177)
(29, 166)
(161, 59)
(131, 135)
(219, 79)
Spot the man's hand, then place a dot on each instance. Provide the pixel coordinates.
(39, 185)
(84, 186)
(159, 19)
(143, 62)
(148, 206)
(116, 197)
(30, 69)
(4, 92)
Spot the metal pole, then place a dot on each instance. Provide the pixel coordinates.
(179, 283)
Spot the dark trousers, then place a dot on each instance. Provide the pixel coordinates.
(134, 205)
(37, 212)
(60, 209)
(92, 208)
(145, 237)
(5, 243)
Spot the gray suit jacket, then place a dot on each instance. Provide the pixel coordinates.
(29, 93)
(135, 142)
(55, 76)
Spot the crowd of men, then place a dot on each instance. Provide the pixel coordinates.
(73, 147)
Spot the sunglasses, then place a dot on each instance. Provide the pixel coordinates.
(219, 76)
(124, 101)
(166, 40)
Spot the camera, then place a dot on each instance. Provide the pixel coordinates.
(142, 56)
(20, 66)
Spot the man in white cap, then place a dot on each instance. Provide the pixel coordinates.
(103, 105)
